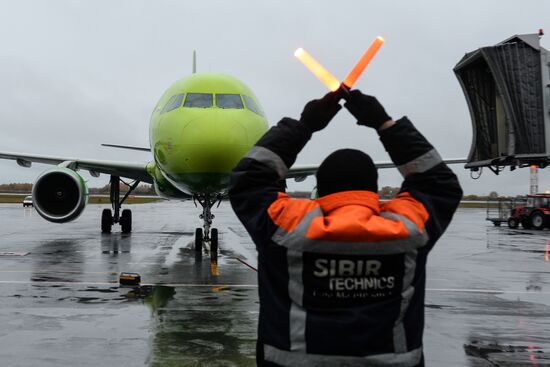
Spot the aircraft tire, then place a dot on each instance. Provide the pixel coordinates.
(214, 243)
(106, 221)
(513, 223)
(126, 221)
(198, 239)
(537, 220)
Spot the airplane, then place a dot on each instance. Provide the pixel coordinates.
(199, 130)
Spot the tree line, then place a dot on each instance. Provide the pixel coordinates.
(386, 192)
(143, 189)
(389, 192)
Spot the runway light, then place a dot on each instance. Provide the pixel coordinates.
(546, 255)
(363, 62)
(317, 69)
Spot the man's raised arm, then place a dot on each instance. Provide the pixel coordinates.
(258, 178)
(427, 178)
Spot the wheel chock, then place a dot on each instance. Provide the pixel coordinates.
(129, 279)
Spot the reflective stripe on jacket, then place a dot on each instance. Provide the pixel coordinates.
(341, 278)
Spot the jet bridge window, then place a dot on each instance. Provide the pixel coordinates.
(173, 103)
(252, 106)
(200, 100)
(229, 101)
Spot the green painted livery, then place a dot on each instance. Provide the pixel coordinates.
(200, 129)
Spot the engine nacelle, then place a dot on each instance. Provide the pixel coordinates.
(60, 195)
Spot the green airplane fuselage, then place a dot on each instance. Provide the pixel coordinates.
(200, 129)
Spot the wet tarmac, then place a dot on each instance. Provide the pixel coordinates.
(488, 297)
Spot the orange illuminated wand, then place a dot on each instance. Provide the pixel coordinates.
(317, 69)
(328, 79)
(363, 62)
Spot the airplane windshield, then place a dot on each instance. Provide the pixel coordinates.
(252, 106)
(201, 100)
(168, 103)
(173, 103)
(229, 101)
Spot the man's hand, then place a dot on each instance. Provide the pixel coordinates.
(318, 112)
(366, 109)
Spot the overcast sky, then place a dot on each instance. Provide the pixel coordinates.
(75, 74)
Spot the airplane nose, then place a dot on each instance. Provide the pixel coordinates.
(214, 142)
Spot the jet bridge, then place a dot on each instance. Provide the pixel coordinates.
(507, 88)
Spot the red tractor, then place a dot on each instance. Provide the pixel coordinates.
(535, 213)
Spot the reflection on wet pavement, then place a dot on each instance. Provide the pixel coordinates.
(506, 321)
(487, 299)
(191, 329)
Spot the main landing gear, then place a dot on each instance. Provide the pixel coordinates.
(107, 216)
(206, 234)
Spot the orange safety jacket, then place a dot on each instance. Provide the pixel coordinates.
(342, 278)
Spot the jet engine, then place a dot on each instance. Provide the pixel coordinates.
(60, 195)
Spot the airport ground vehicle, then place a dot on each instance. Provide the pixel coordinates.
(534, 214)
(27, 201)
(533, 211)
(498, 210)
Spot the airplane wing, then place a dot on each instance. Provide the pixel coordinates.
(134, 171)
(141, 149)
(299, 173)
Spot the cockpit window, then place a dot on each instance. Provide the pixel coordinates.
(168, 104)
(229, 101)
(252, 106)
(201, 100)
(173, 103)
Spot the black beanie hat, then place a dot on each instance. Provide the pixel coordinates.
(346, 170)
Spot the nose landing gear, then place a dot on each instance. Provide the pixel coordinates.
(206, 234)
